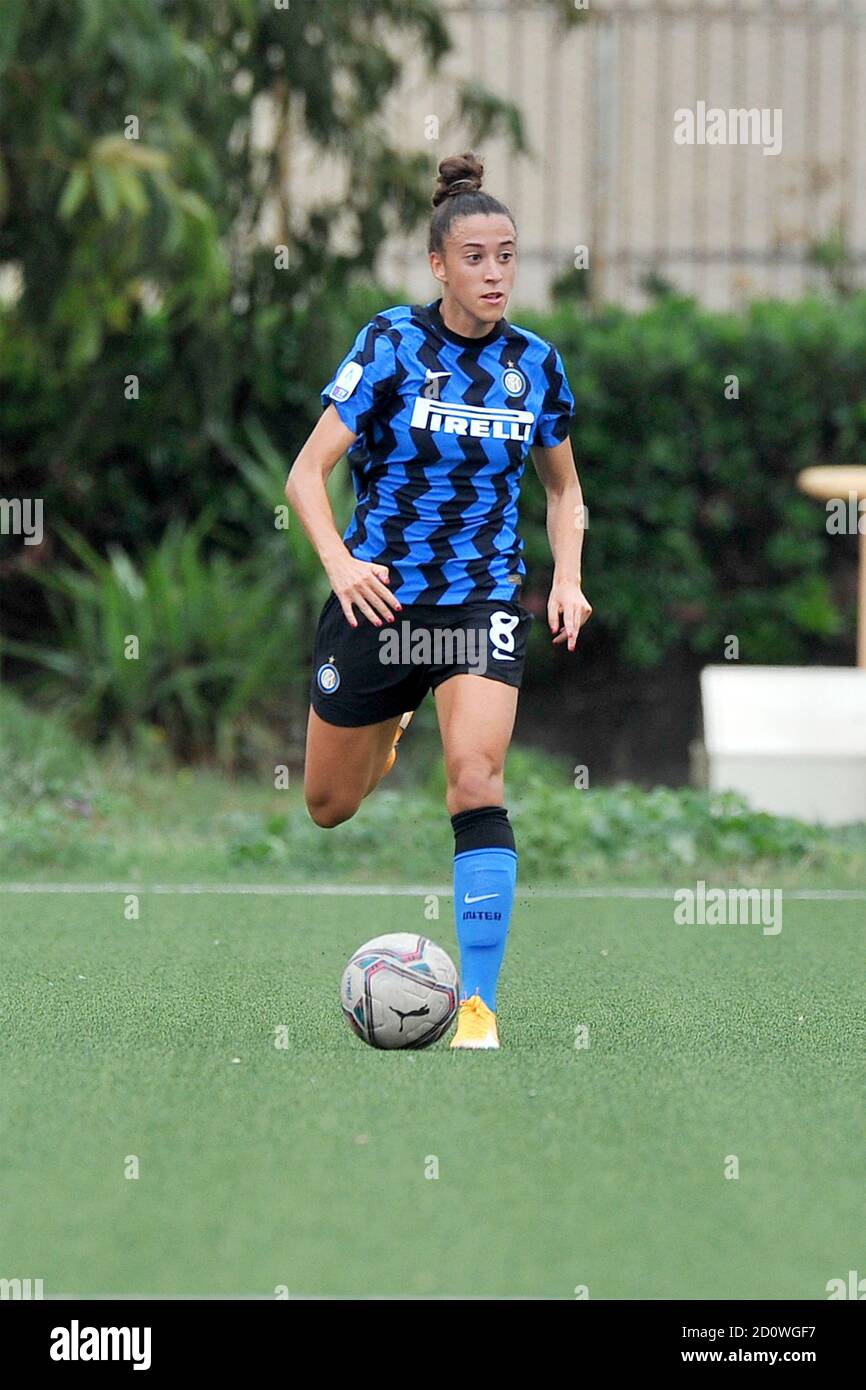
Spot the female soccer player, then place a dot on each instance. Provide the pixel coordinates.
(437, 406)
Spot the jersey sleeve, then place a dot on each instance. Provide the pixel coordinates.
(364, 379)
(557, 407)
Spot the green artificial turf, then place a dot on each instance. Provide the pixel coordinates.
(305, 1166)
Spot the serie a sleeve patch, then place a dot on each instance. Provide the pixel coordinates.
(347, 381)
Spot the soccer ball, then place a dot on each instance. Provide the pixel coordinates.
(400, 990)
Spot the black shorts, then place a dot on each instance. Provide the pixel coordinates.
(364, 674)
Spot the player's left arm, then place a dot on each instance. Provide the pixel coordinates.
(566, 523)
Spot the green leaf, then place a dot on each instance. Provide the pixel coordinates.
(107, 191)
(131, 192)
(74, 192)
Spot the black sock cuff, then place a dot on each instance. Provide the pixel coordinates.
(484, 827)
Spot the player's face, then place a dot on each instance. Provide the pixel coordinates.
(480, 262)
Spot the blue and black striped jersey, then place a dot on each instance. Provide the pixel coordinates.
(444, 424)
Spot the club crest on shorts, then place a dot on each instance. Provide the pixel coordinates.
(328, 677)
(513, 381)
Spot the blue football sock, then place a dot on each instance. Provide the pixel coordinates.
(485, 877)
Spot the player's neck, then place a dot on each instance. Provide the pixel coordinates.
(475, 342)
(459, 320)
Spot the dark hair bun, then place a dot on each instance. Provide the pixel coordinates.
(459, 173)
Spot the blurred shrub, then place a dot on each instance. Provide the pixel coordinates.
(696, 528)
(65, 805)
(49, 789)
(39, 756)
(564, 836)
(198, 647)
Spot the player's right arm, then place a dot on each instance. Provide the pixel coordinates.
(360, 582)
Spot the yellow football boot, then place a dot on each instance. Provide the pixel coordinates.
(392, 756)
(476, 1025)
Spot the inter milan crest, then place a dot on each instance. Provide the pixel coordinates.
(434, 384)
(328, 677)
(513, 381)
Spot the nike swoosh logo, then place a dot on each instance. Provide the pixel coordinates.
(480, 898)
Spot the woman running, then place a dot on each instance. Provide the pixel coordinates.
(437, 406)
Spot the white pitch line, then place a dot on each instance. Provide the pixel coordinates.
(294, 1297)
(396, 890)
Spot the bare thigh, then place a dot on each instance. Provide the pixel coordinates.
(342, 765)
(476, 720)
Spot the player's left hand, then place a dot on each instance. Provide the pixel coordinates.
(567, 605)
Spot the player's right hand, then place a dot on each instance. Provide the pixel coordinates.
(363, 583)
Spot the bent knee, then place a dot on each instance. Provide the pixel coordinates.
(330, 811)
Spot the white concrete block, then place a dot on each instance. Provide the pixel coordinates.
(790, 739)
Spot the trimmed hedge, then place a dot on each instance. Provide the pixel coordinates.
(696, 528)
